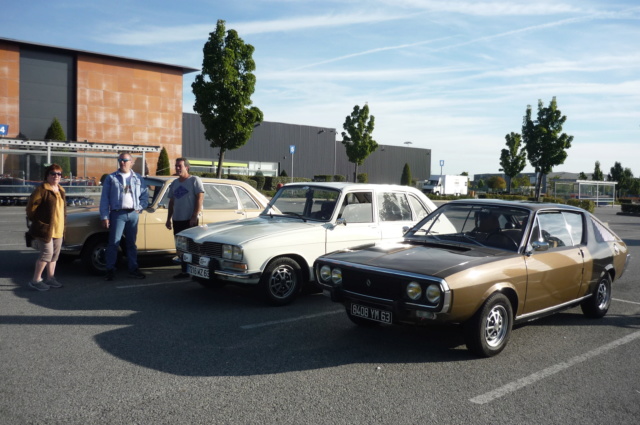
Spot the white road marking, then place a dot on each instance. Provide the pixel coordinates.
(545, 373)
(293, 319)
(625, 301)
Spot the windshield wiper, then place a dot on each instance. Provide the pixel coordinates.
(295, 214)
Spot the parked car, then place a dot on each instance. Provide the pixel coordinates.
(275, 251)
(224, 200)
(483, 264)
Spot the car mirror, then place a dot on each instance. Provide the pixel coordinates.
(341, 221)
(540, 246)
(162, 206)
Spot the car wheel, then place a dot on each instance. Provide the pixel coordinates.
(94, 255)
(360, 321)
(210, 284)
(281, 281)
(487, 332)
(597, 305)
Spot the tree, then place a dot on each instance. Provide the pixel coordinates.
(597, 173)
(406, 175)
(56, 132)
(521, 182)
(496, 183)
(545, 144)
(223, 91)
(582, 176)
(164, 165)
(513, 159)
(357, 137)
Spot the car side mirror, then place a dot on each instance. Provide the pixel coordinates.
(341, 221)
(540, 246)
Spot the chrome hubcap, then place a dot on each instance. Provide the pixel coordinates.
(282, 282)
(495, 327)
(602, 296)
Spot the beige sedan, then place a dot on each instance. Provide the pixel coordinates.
(224, 200)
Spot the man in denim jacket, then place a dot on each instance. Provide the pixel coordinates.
(124, 196)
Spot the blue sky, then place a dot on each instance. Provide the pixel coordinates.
(452, 76)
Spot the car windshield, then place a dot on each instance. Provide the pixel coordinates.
(492, 226)
(304, 202)
(154, 186)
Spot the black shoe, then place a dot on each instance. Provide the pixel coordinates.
(137, 274)
(181, 275)
(110, 275)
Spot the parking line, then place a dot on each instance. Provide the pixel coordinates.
(625, 301)
(545, 373)
(293, 319)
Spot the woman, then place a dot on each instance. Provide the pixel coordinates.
(46, 210)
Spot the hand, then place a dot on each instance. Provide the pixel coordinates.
(168, 224)
(193, 221)
(105, 223)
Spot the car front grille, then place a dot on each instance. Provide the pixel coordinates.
(384, 286)
(207, 249)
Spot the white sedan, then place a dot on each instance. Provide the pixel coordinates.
(275, 251)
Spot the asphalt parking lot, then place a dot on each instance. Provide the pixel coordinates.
(161, 351)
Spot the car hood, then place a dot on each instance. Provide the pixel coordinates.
(242, 231)
(440, 262)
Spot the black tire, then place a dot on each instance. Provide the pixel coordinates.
(210, 284)
(365, 323)
(94, 254)
(281, 281)
(597, 305)
(486, 334)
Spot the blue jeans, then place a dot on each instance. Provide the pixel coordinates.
(123, 222)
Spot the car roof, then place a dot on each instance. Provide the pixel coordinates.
(347, 185)
(531, 205)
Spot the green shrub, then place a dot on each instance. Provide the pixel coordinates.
(362, 178)
(163, 167)
(323, 178)
(585, 204)
(339, 178)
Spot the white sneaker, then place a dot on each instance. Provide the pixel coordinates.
(53, 283)
(38, 286)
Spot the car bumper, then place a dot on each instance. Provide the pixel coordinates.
(403, 311)
(71, 249)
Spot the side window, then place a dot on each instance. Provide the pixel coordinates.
(219, 197)
(357, 207)
(418, 209)
(574, 223)
(393, 207)
(601, 233)
(553, 229)
(246, 200)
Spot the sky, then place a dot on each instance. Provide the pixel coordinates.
(452, 76)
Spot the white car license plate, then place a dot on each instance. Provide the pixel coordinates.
(370, 313)
(198, 271)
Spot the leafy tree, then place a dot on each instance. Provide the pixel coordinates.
(545, 144)
(481, 184)
(582, 176)
(598, 175)
(496, 183)
(56, 132)
(357, 137)
(223, 91)
(283, 173)
(406, 175)
(623, 176)
(513, 159)
(164, 165)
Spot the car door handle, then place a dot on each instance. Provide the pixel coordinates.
(240, 212)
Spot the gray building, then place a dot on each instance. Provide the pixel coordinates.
(318, 151)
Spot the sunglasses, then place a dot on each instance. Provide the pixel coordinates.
(53, 173)
(123, 160)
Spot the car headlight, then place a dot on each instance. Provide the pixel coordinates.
(336, 276)
(232, 252)
(414, 290)
(325, 273)
(433, 293)
(182, 243)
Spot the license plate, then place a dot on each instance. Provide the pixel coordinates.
(370, 313)
(198, 271)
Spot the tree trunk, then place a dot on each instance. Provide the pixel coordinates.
(220, 162)
(355, 173)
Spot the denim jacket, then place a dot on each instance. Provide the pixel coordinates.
(113, 192)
